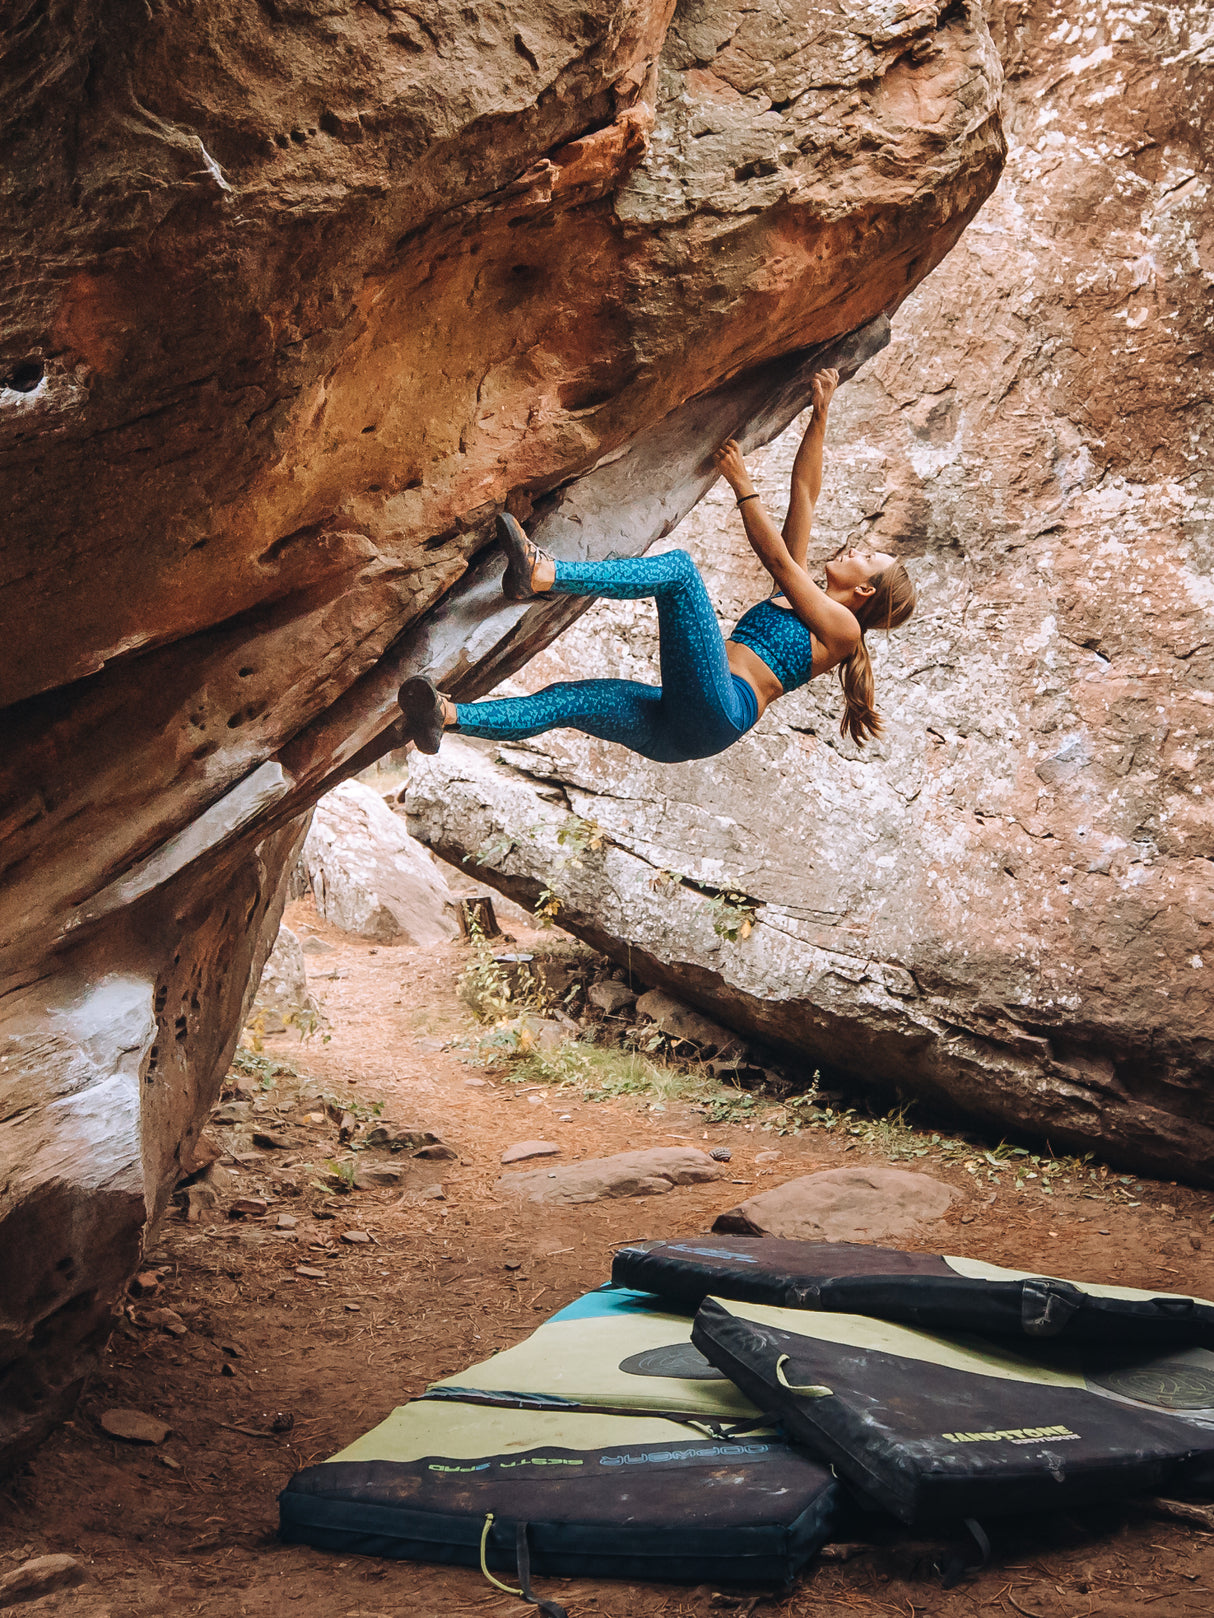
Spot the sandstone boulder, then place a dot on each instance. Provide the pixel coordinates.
(626, 1174)
(369, 877)
(611, 997)
(842, 1205)
(40, 1576)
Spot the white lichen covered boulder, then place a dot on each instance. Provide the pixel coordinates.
(283, 1000)
(370, 877)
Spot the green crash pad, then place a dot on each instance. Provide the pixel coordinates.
(534, 1437)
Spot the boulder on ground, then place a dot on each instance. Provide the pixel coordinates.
(627, 1174)
(368, 875)
(841, 1205)
(282, 1000)
(136, 1426)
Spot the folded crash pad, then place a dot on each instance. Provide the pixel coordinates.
(566, 1435)
(934, 1428)
(918, 1289)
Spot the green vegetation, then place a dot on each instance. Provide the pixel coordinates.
(252, 1063)
(733, 915)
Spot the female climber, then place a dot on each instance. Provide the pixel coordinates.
(713, 690)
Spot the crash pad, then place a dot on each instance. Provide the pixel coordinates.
(919, 1289)
(566, 1434)
(935, 1428)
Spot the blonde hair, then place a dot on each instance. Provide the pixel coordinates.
(891, 604)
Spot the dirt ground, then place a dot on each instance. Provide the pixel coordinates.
(188, 1527)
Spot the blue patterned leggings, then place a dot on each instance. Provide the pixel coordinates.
(700, 708)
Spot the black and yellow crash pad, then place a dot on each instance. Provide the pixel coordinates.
(607, 1484)
(935, 1428)
(929, 1290)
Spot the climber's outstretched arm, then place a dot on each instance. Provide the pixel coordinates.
(834, 624)
(807, 469)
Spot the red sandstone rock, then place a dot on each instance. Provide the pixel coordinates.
(294, 303)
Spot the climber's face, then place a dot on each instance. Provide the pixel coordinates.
(855, 567)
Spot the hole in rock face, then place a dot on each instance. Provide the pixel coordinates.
(585, 397)
(245, 672)
(298, 136)
(758, 170)
(65, 1266)
(25, 376)
(282, 140)
(370, 429)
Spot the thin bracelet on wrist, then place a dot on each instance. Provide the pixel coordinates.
(747, 497)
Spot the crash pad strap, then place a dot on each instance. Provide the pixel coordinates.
(808, 1390)
(522, 1555)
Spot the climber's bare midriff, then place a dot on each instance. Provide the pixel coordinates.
(754, 671)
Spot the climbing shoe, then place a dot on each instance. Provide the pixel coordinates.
(421, 707)
(521, 557)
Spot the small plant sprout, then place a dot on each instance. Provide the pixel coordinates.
(547, 907)
(733, 915)
(494, 850)
(578, 837)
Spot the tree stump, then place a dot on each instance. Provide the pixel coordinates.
(476, 917)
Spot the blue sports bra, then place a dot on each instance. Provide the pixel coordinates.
(778, 636)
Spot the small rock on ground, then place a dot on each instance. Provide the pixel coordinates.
(135, 1426)
(611, 996)
(40, 1577)
(678, 1021)
(841, 1205)
(627, 1174)
(522, 1150)
(168, 1320)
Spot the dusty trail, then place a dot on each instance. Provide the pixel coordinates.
(188, 1527)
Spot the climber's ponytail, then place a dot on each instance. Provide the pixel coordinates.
(860, 719)
(891, 604)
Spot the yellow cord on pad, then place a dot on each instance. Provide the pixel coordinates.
(809, 1391)
(497, 1583)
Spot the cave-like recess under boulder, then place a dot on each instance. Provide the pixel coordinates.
(296, 298)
